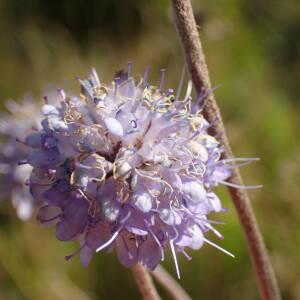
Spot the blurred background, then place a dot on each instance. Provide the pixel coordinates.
(252, 49)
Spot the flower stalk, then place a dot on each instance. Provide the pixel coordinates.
(144, 283)
(196, 64)
(173, 288)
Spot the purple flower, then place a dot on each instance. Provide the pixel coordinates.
(127, 166)
(14, 125)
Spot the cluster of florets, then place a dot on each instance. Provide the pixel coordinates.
(127, 166)
(20, 120)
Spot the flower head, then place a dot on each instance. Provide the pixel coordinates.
(14, 125)
(127, 166)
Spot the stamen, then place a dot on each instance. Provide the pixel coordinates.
(116, 80)
(238, 165)
(218, 247)
(28, 182)
(188, 90)
(129, 67)
(169, 92)
(75, 253)
(213, 123)
(216, 232)
(241, 186)
(175, 258)
(130, 256)
(159, 244)
(205, 97)
(125, 219)
(183, 103)
(210, 221)
(240, 159)
(62, 94)
(21, 142)
(188, 257)
(180, 83)
(95, 75)
(109, 241)
(80, 80)
(201, 94)
(191, 138)
(115, 234)
(146, 76)
(163, 72)
(51, 219)
(80, 165)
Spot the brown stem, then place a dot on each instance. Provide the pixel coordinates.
(195, 59)
(170, 284)
(144, 283)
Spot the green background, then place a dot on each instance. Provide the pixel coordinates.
(252, 49)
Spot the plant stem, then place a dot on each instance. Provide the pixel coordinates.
(144, 283)
(170, 284)
(195, 59)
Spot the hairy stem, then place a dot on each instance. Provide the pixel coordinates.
(195, 60)
(170, 284)
(144, 283)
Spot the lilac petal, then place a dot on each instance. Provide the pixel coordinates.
(44, 159)
(48, 109)
(126, 250)
(86, 255)
(127, 89)
(136, 222)
(175, 258)
(74, 219)
(191, 236)
(110, 209)
(172, 178)
(149, 253)
(220, 174)
(142, 201)
(38, 184)
(54, 123)
(49, 215)
(194, 193)
(170, 217)
(35, 140)
(214, 201)
(114, 126)
(109, 205)
(98, 235)
(58, 195)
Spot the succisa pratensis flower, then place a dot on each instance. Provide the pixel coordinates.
(130, 167)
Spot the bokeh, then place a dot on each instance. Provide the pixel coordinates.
(252, 49)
